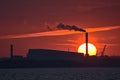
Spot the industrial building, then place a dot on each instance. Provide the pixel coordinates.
(45, 54)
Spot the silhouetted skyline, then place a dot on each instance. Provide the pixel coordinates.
(32, 18)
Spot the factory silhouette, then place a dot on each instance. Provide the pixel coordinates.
(55, 58)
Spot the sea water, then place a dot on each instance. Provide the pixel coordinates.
(60, 74)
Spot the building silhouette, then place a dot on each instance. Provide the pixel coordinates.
(45, 54)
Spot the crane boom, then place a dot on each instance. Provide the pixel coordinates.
(102, 54)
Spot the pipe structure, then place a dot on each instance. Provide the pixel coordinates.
(11, 51)
(86, 44)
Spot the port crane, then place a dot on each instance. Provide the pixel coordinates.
(103, 51)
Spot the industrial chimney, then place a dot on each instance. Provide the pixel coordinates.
(86, 44)
(11, 51)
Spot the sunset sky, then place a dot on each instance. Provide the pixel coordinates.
(24, 23)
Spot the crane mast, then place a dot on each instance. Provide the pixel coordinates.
(102, 53)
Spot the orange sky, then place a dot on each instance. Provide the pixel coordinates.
(24, 24)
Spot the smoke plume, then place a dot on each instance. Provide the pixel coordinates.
(68, 27)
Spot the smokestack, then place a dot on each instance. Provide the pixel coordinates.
(11, 51)
(87, 44)
(68, 27)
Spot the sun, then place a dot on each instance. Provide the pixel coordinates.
(91, 49)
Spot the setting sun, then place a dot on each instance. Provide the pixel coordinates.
(91, 49)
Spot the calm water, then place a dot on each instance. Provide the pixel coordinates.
(60, 74)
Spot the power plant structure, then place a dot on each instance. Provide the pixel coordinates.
(75, 28)
(35, 52)
(87, 54)
(46, 54)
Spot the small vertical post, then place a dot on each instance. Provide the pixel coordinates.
(11, 51)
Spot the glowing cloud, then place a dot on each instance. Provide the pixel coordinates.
(58, 32)
(40, 34)
(99, 29)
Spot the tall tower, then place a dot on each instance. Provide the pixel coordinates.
(11, 51)
(86, 44)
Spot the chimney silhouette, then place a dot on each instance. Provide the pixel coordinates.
(11, 51)
(86, 44)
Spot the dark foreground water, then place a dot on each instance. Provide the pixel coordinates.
(60, 74)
